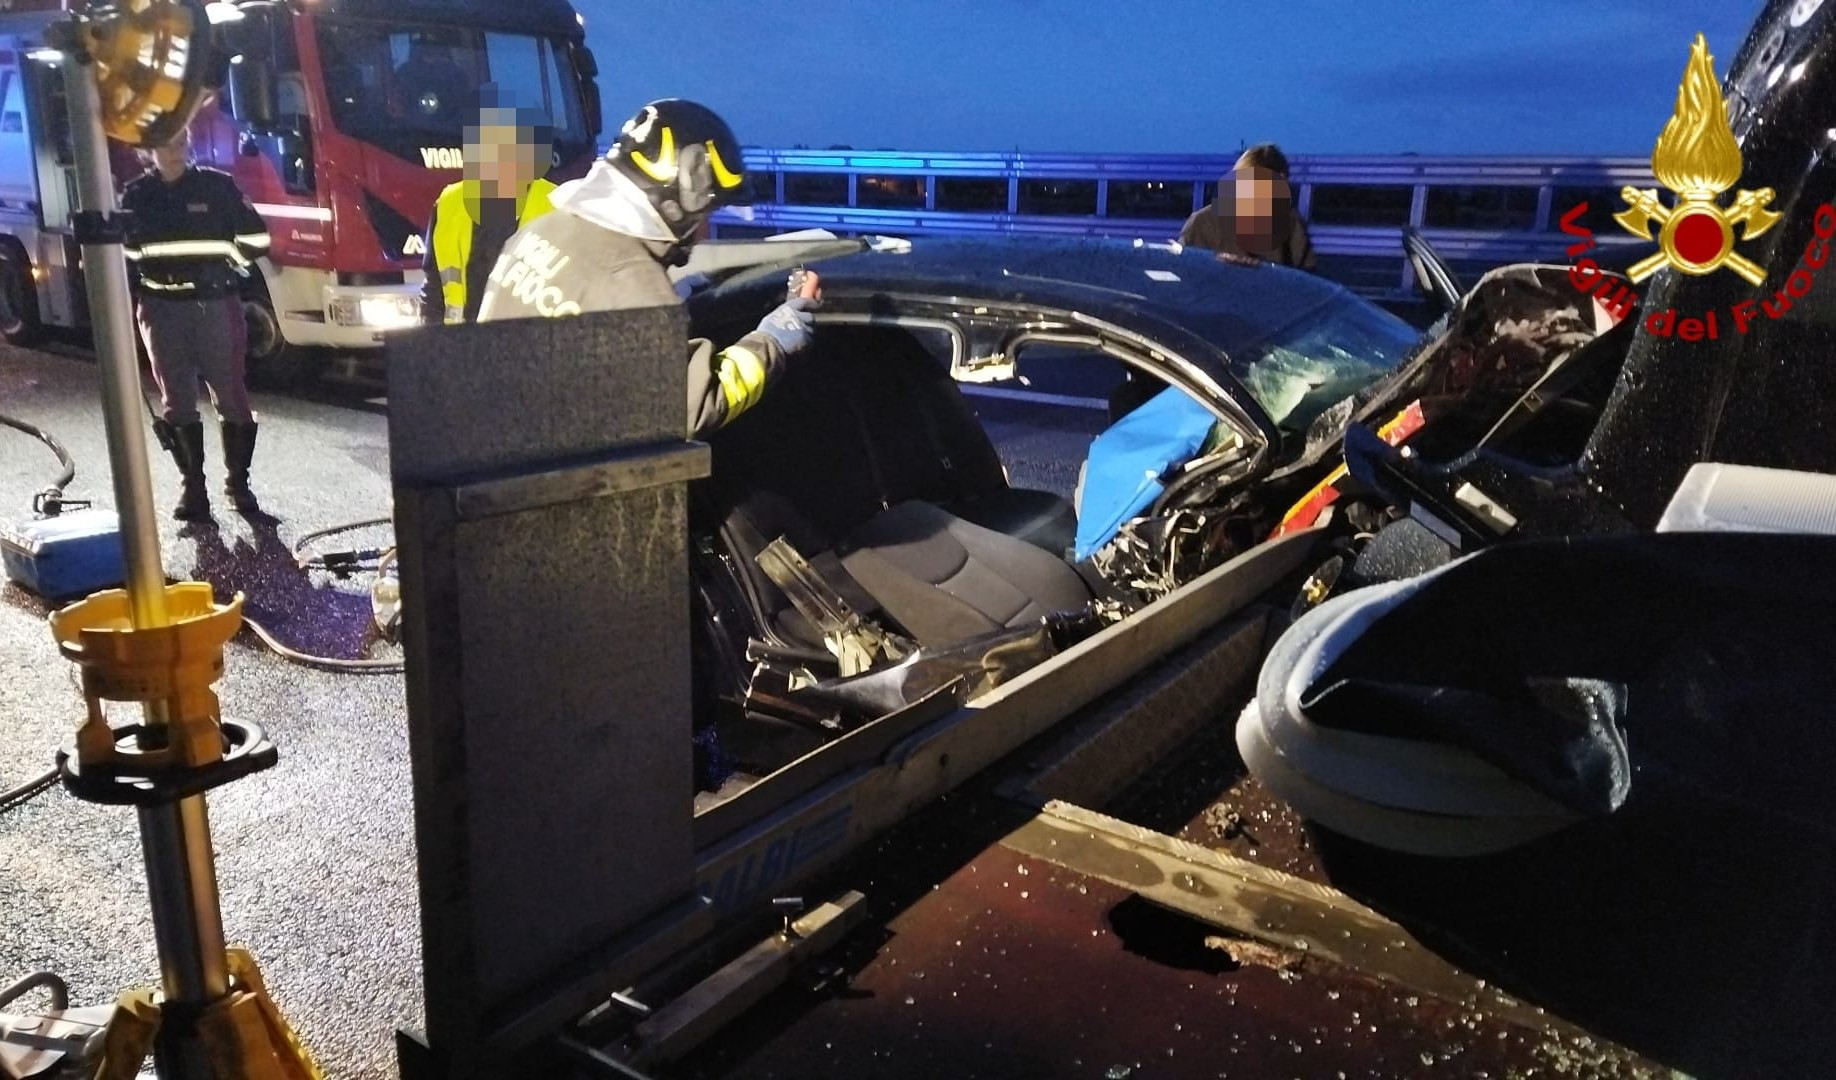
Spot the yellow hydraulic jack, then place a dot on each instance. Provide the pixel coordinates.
(155, 644)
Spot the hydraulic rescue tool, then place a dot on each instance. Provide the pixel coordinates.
(136, 71)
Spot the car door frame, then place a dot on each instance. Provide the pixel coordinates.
(987, 330)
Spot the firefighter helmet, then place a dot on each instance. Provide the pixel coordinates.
(684, 157)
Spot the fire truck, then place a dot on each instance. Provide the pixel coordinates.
(340, 120)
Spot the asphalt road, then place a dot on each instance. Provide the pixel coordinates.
(315, 857)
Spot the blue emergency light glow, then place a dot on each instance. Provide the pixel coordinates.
(887, 163)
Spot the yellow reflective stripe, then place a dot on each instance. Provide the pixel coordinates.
(664, 168)
(452, 245)
(726, 179)
(259, 239)
(742, 379)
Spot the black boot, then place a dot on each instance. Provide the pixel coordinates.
(238, 451)
(194, 502)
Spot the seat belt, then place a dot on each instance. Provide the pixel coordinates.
(857, 642)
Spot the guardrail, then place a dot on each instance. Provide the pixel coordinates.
(1480, 212)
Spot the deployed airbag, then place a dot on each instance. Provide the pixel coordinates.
(1123, 474)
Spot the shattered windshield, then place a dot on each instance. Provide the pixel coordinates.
(413, 84)
(1322, 357)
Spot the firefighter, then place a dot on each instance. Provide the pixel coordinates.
(506, 155)
(191, 239)
(615, 233)
(1253, 214)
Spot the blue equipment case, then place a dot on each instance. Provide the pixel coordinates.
(67, 556)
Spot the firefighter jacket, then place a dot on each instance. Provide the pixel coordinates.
(464, 236)
(573, 261)
(192, 239)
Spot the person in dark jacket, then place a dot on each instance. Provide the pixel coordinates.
(506, 153)
(615, 232)
(191, 240)
(1253, 214)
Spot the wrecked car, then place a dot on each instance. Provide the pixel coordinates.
(1650, 469)
(1602, 442)
(860, 543)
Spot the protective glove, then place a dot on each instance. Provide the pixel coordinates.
(790, 324)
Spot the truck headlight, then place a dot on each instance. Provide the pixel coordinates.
(376, 312)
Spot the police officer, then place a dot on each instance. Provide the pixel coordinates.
(615, 232)
(191, 239)
(506, 154)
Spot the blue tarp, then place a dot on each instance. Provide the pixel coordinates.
(1122, 476)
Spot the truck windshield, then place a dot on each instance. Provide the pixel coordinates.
(398, 85)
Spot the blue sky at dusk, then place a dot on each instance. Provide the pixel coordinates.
(1168, 76)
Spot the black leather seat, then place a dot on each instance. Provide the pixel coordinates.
(866, 457)
(865, 419)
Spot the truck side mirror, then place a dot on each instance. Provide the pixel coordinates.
(589, 90)
(252, 92)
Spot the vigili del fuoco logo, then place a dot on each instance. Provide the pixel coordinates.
(1698, 160)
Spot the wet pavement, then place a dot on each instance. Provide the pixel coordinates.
(316, 855)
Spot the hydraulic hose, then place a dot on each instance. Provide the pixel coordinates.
(50, 500)
(329, 663)
(336, 529)
(50, 440)
(340, 563)
(32, 788)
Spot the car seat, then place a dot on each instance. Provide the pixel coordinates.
(864, 420)
(871, 465)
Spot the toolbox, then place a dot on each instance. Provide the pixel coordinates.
(66, 556)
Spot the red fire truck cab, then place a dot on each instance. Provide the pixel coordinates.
(341, 120)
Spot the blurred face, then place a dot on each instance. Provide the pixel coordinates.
(1264, 205)
(172, 158)
(502, 153)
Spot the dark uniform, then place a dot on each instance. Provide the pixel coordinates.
(1214, 228)
(189, 243)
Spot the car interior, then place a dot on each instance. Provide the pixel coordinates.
(900, 481)
(882, 478)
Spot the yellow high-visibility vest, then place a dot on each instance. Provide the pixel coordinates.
(452, 236)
